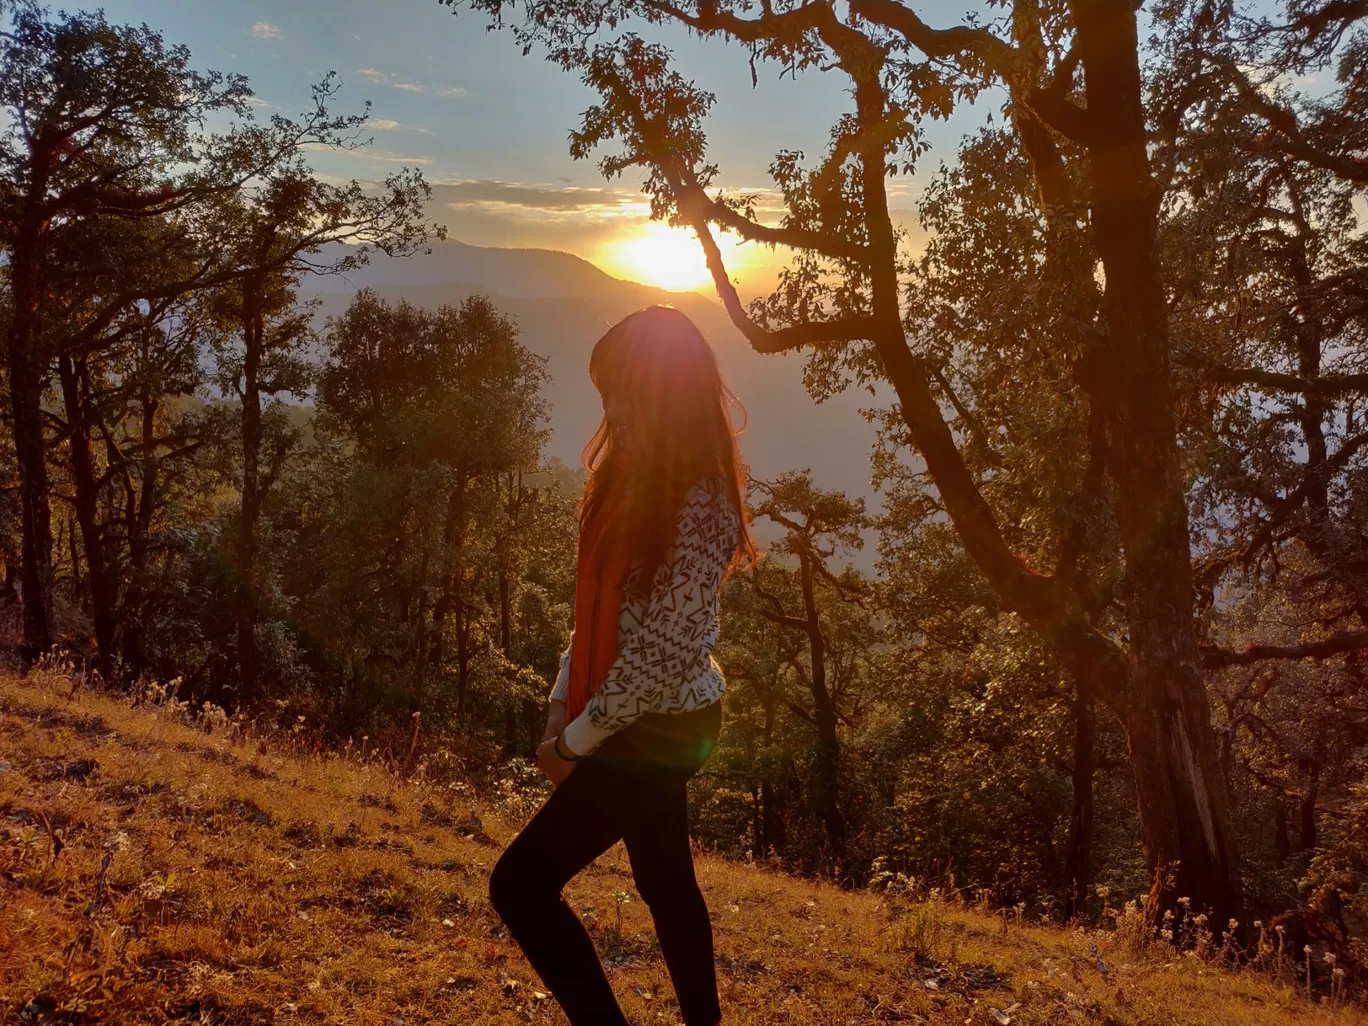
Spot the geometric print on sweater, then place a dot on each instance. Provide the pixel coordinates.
(665, 642)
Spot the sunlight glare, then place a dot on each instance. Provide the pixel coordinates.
(668, 258)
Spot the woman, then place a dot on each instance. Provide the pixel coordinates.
(636, 708)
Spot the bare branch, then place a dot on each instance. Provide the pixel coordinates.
(693, 195)
(763, 340)
(1215, 658)
(1328, 385)
(1292, 140)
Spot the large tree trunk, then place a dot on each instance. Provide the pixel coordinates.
(1077, 867)
(103, 600)
(139, 534)
(28, 369)
(1184, 809)
(1155, 686)
(826, 770)
(253, 338)
(1158, 691)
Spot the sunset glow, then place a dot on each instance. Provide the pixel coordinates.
(669, 258)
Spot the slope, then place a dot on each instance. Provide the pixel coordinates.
(160, 867)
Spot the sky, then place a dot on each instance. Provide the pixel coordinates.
(489, 127)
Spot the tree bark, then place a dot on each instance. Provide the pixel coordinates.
(28, 370)
(1184, 808)
(1077, 868)
(253, 338)
(827, 765)
(103, 600)
(1155, 685)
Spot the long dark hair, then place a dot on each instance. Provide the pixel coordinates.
(659, 361)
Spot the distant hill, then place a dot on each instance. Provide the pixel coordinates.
(563, 304)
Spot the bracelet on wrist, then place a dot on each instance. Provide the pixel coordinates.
(572, 757)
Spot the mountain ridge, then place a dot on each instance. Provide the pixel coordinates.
(563, 304)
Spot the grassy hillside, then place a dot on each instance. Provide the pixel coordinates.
(152, 872)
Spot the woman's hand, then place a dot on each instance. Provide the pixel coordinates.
(550, 762)
(555, 719)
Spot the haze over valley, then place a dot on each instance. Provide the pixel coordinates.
(562, 305)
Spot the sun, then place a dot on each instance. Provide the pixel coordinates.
(656, 254)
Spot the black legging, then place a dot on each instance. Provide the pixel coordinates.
(632, 788)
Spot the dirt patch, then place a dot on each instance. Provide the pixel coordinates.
(304, 834)
(49, 770)
(375, 801)
(58, 719)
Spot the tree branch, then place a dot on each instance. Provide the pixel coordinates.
(1293, 140)
(996, 56)
(1329, 385)
(1215, 657)
(765, 340)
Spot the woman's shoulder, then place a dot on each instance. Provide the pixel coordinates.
(709, 509)
(709, 492)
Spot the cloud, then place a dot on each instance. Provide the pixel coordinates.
(265, 30)
(490, 192)
(384, 78)
(390, 125)
(395, 158)
(366, 153)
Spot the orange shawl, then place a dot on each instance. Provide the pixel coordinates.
(600, 577)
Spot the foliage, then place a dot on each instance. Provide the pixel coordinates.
(1118, 610)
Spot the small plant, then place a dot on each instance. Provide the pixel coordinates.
(918, 929)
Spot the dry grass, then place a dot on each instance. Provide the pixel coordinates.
(244, 886)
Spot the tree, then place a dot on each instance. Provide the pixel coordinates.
(818, 525)
(99, 373)
(1097, 203)
(444, 407)
(108, 187)
(292, 225)
(102, 125)
(1003, 741)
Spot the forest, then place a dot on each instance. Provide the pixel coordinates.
(1108, 645)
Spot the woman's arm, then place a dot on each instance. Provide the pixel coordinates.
(561, 690)
(679, 614)
(560, 694)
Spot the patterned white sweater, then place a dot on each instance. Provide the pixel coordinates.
(665, 642)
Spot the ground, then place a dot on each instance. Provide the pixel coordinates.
(154, 871)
